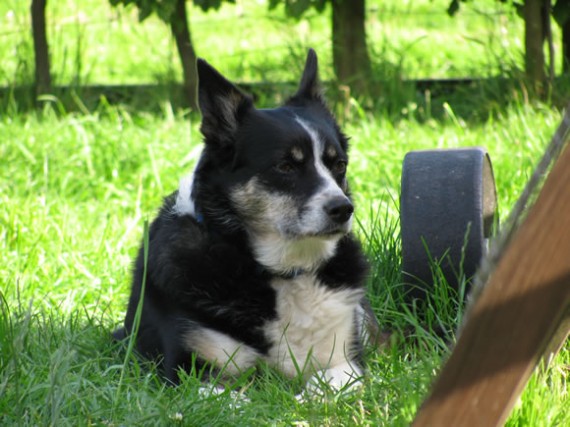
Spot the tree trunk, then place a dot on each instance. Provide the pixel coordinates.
(546, 8)
(42, 72)
(534, 41)
(181, 31)
(350, 54)
(566, 46)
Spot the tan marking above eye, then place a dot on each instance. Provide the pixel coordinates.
(297, 154)
(331, 152)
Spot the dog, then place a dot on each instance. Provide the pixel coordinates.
(253, 259)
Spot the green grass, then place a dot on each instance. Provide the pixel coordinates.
(76, 189)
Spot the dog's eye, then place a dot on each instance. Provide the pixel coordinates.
(284, 167)
(339, 167)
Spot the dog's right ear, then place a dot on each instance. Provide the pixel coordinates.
(221, 103)
(309, 87)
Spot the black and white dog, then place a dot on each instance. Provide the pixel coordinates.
(252, 258)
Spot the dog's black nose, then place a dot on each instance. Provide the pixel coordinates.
(339, 209)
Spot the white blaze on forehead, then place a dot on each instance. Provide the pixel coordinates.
(330, 185)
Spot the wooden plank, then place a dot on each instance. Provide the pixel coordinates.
(518, 316)
(558, 339)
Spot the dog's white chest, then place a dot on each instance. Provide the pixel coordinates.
(315, 325)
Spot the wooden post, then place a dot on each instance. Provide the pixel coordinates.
(534, 43)
(350, 54)
(43, 76)
(520, 315)
(181, 31)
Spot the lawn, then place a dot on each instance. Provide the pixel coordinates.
(76, 189)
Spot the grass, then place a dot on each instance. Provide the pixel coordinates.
(77, 187)
(75, 191)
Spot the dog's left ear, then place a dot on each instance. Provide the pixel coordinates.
(222, 104)
(309, 87)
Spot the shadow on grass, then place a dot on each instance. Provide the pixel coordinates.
(473, 100)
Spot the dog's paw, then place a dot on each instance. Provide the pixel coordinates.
(344, 378)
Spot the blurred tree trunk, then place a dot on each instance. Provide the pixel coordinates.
(561, 14)
(546, 8)
(42, 71)
(181, 31)
(566, 47)
(534, 41)
(350, 53)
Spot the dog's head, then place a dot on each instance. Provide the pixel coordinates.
(279, 174)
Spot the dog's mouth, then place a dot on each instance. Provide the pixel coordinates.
(330, 232)
(333, 232)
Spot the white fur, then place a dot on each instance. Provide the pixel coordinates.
(285, 255)
(314, 329)
(221, 349)
(361, 319)
(184, 202)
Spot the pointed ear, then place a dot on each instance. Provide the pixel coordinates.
(221, 103)
(309, 87)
